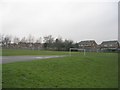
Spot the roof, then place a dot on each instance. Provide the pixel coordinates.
(110, 42)
(87, 42)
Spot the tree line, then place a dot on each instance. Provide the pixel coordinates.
(47, 42)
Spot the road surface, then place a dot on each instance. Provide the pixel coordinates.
(9, 59)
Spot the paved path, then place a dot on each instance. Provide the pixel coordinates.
(9, 59)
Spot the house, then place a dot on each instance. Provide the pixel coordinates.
(109, 45)
(88, 45)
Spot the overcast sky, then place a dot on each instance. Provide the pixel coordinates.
(70, 19)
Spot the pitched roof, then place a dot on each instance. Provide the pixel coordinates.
(110, 42)
(87, 42)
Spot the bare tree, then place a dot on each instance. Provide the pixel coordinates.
(1, 39)
(23, 40)
(6, 40)
(58, 44)
(30, 39)
(39, 40)
(48, 41)
(68, 44)
(16, 40)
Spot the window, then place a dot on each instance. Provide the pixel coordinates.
(111, 45)
(105, 45)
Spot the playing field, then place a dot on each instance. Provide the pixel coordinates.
(95, 70)
(10, 52)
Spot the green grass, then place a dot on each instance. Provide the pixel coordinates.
(0, 76)
(95, 70)
(18, 52)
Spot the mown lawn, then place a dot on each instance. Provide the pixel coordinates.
(95, 70)
(0, 76)
(18, 52)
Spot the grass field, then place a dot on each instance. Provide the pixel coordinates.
(95, 70)
(11, 52)
(1, 76)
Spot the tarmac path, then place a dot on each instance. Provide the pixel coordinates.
(9, 59)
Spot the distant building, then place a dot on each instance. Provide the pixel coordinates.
(109, 46)
(88, 45)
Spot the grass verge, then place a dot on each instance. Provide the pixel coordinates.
(95, 70)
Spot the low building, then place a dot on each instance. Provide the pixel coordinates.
(109, 46)
(88, 45)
